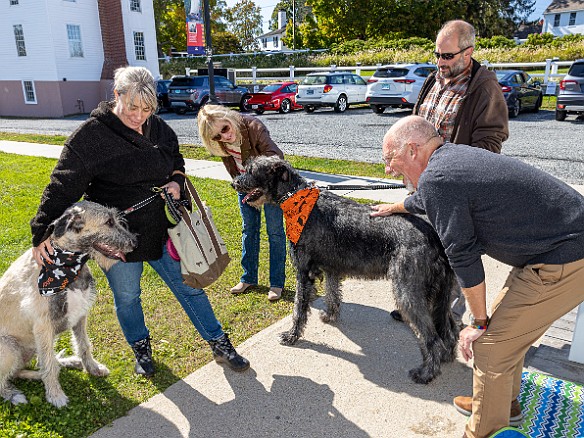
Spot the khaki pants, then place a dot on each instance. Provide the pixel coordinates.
(531, 300)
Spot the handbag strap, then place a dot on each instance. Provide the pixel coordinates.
(190, 188)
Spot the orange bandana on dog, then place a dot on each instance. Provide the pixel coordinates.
(297, 209)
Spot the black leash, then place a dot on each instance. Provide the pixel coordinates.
(172, 205)
(363, 187)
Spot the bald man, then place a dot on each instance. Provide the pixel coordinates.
(485, 203)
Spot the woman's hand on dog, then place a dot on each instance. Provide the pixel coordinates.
(388, 209)
(42, 252)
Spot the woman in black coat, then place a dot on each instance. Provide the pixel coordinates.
(115, 158)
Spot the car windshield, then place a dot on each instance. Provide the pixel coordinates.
(271, 88)
(577, 69)
(188, 82)
(315, 80)
(390, 72)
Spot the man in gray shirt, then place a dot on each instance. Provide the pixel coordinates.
(485, 203)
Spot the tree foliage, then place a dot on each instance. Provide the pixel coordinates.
(245, 21)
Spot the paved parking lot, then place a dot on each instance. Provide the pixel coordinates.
(557, 147)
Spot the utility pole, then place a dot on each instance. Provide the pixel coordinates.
(209, 51)
(293, 25)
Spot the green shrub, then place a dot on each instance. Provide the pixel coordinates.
(496, 42)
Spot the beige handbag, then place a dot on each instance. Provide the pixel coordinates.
(203, 254)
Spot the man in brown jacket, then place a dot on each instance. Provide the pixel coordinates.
(463, 100)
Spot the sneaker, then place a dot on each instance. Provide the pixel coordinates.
(464, 406)
(143, 352)
(223, 352)
(240, 288)
(275, 293)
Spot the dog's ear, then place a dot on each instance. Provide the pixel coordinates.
(280, 170)
(71, 220)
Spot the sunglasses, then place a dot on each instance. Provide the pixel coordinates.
(224, 130)
(449, 56)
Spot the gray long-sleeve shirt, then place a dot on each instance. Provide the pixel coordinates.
(485, 203)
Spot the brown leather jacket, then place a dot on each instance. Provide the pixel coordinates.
(483, 118)
(256, 141)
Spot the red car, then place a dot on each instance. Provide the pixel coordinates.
(279, 96)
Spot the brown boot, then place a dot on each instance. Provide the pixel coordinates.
(464, 406)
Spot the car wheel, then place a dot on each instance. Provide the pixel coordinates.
(259, 112)
(514, 112)
(309, 108)
(285, 106)
(561, 115)
(377, 109)
(181, 111)
(244, 106)
(341, 105)
(538, 104)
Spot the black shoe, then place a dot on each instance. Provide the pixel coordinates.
(223, 352)
(396, 315)
(143, 353)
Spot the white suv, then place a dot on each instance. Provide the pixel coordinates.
(336, 89)
(396, 85)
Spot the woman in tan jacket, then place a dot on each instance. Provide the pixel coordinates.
(235, 138)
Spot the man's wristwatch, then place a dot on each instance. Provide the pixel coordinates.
(480, 324)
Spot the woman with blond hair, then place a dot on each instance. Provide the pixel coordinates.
(116, 158)
(235, 138)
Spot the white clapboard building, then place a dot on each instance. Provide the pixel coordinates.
(57, 57)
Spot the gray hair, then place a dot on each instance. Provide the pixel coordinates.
(207, 118)
(138, 84)
(465, 31)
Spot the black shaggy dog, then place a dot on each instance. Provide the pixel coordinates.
(340, 239)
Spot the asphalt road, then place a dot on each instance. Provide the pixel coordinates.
(556, 147)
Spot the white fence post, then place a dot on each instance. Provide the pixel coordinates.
(546, 75)
(254, 75)
(333, 67)
(291, 72)
(358, 70)
(187, 71)
(577, 348)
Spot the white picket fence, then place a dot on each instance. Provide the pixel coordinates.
(253, 76)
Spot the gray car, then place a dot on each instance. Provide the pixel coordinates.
(571, 95)
(191, 92)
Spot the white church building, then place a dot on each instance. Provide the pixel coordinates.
(57, 57)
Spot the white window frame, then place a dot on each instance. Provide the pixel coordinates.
(13, 2)
(572, 21)
(25, 92)
(19, 42)
(135, 6)
(557, 20)
(139, 46)
(275, 42)
(74, 40)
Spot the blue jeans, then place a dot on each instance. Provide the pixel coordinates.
(250, 243)
(124, 280)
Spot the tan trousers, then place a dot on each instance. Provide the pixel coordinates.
(531, 300)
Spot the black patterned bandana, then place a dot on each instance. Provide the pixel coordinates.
(60, 271)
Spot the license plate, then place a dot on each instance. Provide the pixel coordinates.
(177, 91)
(386, 86)
(309, 91)
(255, 106)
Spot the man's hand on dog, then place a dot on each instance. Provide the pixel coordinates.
(388, 209)
(43, 251)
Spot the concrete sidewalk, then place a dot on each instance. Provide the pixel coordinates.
(349, 379)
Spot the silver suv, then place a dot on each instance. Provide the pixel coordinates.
(336, 89)
(191, 92)
(571, 95)
(396, 85)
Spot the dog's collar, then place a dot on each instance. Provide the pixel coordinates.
(60, 271)
(296, 209)
(292, 192)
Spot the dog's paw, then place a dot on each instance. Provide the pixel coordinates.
(327, 318)
(18, 399)
(288, 338)
(58, 399)
(98, 369)
(421, 375)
